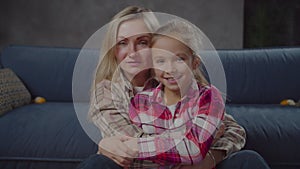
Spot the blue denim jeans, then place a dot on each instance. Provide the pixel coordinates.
(245, 159)
(98, 161)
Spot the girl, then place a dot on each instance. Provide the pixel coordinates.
(181, 111)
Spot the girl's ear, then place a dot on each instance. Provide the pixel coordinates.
(196, 62)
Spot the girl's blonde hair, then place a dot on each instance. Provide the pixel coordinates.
(189, 35)
(107, 65)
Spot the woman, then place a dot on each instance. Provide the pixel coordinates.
(122, 73)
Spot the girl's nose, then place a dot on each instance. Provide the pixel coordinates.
(170, 68)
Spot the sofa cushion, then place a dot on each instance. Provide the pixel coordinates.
(13, 93)
(261, 76)
(45, 135)
(272, 131)
(45, 71)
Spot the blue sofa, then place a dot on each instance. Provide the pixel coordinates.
(50, 136)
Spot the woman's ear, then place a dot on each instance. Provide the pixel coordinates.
(196, 62)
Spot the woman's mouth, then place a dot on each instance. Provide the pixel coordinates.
(134, 63)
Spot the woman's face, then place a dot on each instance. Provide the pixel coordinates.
(133, 47)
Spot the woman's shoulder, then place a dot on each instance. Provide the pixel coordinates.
(101, 88)
(108, 85)
(103, 84)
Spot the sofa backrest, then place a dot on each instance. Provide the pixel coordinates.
(261, 76)
(45, 71)
(256, 76)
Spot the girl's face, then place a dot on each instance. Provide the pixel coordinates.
(132, 48)
(173, 62)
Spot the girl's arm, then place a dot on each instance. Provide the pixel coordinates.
(232, 140)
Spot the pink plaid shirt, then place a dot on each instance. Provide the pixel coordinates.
(182, 138)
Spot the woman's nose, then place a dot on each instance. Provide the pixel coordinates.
(131, 50)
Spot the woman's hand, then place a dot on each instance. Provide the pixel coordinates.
(220, 132)
(115, 149)
(132, 144)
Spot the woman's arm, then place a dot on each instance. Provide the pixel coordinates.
(109, 113)
(234, 137)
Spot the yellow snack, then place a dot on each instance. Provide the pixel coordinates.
(288, 102)
(39, 100)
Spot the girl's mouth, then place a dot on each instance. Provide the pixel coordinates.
(172, 80)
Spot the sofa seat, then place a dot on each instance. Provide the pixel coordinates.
(271, 131)
(43, 136)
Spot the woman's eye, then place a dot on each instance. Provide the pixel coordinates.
(122, 42)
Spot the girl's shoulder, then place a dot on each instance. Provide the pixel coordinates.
(208, 89)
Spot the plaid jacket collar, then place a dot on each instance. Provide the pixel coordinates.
(125, 82)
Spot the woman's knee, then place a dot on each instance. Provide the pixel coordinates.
(244, 159)
(251, 156)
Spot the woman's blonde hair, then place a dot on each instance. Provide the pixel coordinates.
(189, 35)
(108, 64)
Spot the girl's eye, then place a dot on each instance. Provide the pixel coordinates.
(180, 59)
(160, 61)
(144, 42)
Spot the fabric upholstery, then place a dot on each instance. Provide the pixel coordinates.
(261, 76)
(271, 131)
(47, 72)
(43, 136)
